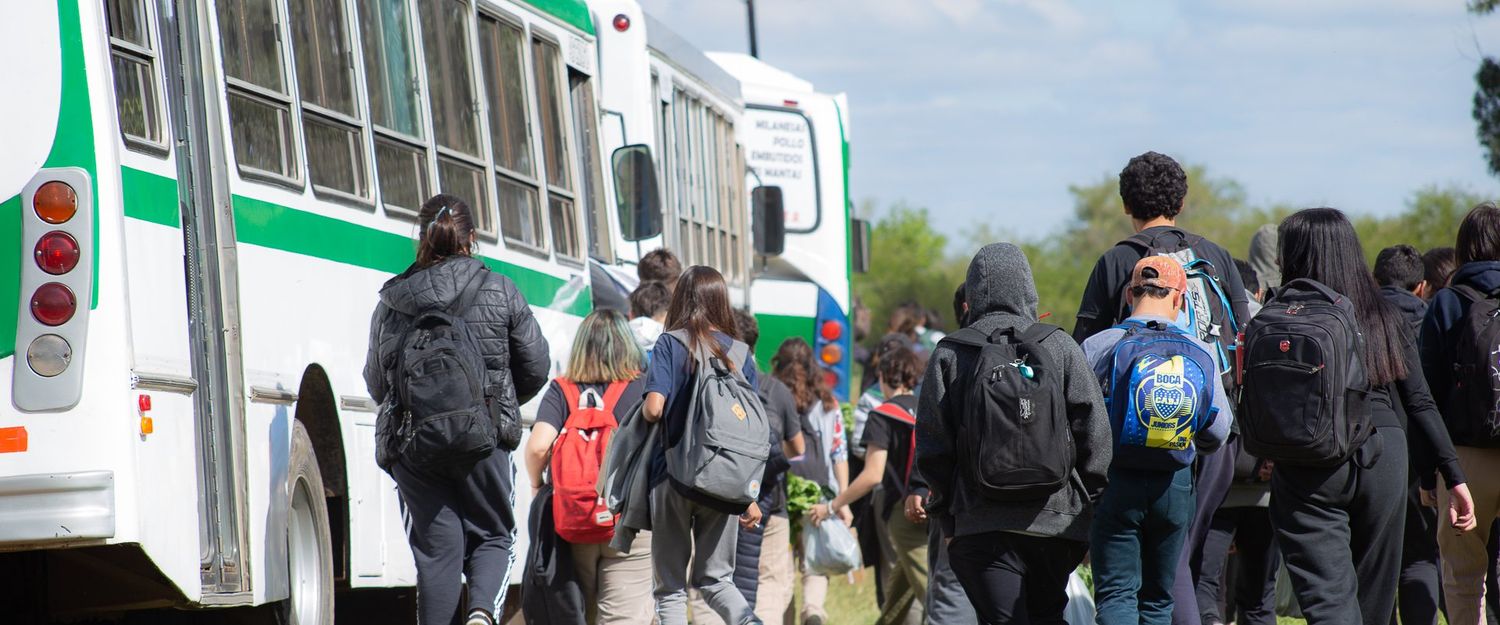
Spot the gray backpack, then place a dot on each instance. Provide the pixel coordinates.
(727, 439)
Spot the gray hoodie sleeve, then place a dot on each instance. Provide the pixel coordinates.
(936, 445)
(1209, 439)
(1087, 415)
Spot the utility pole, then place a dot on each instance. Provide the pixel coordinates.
(750, 14)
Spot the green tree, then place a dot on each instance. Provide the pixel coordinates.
(1487, 96)
(909, 262)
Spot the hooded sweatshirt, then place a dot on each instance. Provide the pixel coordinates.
(1002, 295)
(1263, 257)
(1440, 330)
(1412, 308)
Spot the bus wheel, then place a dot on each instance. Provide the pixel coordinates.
(309, 543)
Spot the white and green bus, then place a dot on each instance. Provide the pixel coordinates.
(797, 139)
(201, 199)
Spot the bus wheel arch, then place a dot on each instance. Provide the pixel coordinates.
(310, 546)
(317, 412)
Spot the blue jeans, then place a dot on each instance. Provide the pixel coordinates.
(1139, 526)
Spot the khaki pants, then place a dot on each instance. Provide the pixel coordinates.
(776, 572)
(1464, 557)
(616, 586)
(814, 595)
(904, 545)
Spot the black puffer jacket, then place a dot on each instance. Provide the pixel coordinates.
(514, 350)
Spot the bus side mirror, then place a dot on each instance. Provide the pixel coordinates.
(860, 236)
(636, 195)
(770, 220)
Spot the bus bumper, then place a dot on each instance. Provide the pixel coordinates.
(57, 507)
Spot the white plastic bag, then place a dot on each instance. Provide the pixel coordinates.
(830, 547)
(1080, 610)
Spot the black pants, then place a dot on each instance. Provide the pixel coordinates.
(1340, 532)
(1016, 579)
(1252, 595)
(1212, 475)
(460, 525)
(1421, 589)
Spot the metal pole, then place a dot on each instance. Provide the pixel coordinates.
(750, 13)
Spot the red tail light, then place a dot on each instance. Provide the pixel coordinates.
(831, 330)
(53, 304)
(57, 252)
(831, 378)
(622, 22)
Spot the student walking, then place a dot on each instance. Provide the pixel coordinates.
(1327, 354)
(690, 527)
(455, 483)
(1402, 278)
(574, 424)
(648, 312)
(825, 460)
(1152, 188)
(890, 438)
(1458, 347)
(1013, 549)
(1167, 403)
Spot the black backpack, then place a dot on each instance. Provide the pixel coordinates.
(1306, 394)
(1473, 406)
(1014, 440)
(439, 383)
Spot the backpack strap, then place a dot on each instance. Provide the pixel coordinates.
(739, 352)
(968, 337)
(470, 292)
(895, 411)
(1470, 293)
(612, 395)
(1144, 242)
(1038, 332)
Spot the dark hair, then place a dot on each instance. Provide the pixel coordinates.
(932, 319)
(445, 227)
(1479, 234)
(659, 264)
(1321, 244)
(795, 366)
(901, 369)
(650, 299)
(1248, 275)
(905, 319)
(960, 306)
(747, 325)
(1399, 266)
(700, 305)
(1146, 290)
(1438, 265)
(1153, 185)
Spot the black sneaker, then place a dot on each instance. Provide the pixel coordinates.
(479, 617)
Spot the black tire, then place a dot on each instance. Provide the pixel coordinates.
(309, 540)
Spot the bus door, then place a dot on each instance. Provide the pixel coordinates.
(212, 291)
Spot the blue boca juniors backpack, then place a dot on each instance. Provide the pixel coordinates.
(1160, 393)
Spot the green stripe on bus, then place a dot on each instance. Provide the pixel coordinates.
(149, 197)
(72, 146)
(775, 329)
(572, 12)
(262, 223)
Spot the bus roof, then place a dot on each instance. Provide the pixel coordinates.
(574, 13)
(690, 59)
(757, 72)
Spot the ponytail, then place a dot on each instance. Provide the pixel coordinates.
(446, 228)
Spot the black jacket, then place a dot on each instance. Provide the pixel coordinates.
(550, 591)
(514, 350)
(1411, 307)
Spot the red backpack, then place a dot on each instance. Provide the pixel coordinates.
(894, 411)
(578, 512)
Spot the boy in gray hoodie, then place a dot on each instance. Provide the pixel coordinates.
(1012, 557)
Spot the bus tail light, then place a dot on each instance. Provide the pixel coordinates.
(49, 355)
(832, 344)
(53, 304)
(56, 289)
(622, 23)
(57, 252)
(831, 354)
(831, 330)
(55, 202)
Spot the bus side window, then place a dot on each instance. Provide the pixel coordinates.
(586, 136)
(260, 104)
(401, 168)
(455, 111)
(133, 58)
(502, 56)
(331, 124)
(556, 157)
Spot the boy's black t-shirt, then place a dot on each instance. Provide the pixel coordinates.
(781, 413)
(896, 438)
(1102, 298)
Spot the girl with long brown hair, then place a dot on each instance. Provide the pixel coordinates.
(700, 308)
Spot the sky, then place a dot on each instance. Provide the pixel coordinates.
(986, 110)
